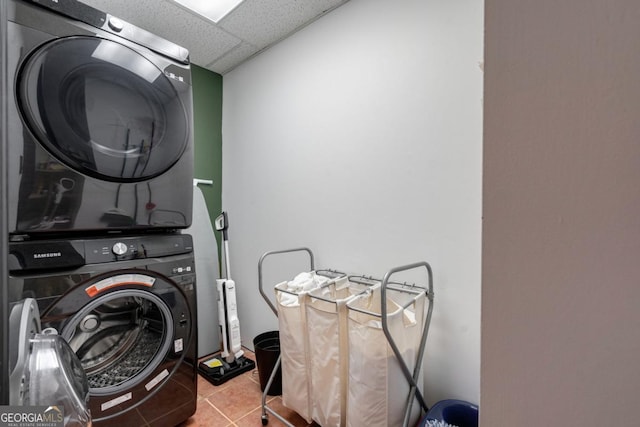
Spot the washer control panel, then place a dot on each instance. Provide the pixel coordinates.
(38, 255)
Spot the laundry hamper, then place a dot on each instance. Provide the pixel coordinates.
(378, 390)
(328, 349)
(291, 298)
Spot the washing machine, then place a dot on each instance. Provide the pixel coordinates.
(100, 125)
(126, 306)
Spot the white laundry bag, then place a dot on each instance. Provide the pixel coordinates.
(291, 298)
(328, 348)
(378, 390)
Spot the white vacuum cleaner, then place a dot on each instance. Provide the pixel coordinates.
(231, 362)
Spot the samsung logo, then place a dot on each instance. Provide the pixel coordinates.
(47, 255)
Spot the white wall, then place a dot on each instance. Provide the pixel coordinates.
(360, 137)
(561, 234)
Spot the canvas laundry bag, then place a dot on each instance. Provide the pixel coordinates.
(328, 349)
(378, 389)
(291, 298)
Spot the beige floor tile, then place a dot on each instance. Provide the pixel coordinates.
(207, 416)
(205, 388)
(240, 397)
(254, 418)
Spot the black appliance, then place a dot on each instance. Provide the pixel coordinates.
(99, 123)
(127, 308)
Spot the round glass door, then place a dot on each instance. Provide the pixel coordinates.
(120, 338)
(102, 109)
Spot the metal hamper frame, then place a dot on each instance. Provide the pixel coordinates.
(265, 408)
(411, 377)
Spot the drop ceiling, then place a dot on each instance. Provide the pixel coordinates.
(251, 28)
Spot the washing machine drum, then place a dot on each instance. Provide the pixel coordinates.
(102, 109)
(44, 371)
(120, 338)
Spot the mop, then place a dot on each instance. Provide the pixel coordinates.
(231, 362)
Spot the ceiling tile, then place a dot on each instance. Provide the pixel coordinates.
(248, 30)
(262, 23)
(234, 57)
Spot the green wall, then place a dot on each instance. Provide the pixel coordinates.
(207, 123)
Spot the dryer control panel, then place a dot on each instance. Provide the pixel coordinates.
(98, 19)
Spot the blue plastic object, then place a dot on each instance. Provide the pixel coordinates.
(455, 412)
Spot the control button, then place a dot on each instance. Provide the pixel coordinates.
(119, 248)
(115, 24)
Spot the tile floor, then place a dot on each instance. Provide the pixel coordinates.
(237, 403)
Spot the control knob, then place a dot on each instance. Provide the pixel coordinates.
(119, 248)
(116, 24)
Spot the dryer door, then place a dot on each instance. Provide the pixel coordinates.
(44, 371)
(103, 109)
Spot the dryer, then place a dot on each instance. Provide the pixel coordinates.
(99, 123)
(126, 306)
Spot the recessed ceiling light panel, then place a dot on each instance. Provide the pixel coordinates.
(214, 10)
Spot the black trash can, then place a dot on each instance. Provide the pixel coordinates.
(267, 351)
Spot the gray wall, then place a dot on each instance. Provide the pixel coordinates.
(360, 137)
(561, 232)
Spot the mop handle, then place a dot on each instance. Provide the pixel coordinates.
(227, 268)
(222, 225)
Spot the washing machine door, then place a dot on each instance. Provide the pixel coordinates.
(45, 374)
(131, 330)
(103, 109)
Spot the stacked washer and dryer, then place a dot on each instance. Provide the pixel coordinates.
(99, 173)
